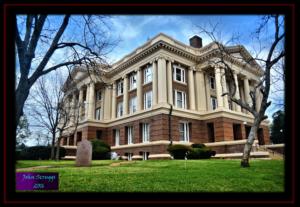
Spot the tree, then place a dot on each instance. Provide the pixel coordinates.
(75, 40)
(277, 127)
(45, 107)
(23, 131)
(275, 53)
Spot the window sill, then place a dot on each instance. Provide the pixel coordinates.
(180, 82)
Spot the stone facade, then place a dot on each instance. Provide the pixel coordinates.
(132, 100)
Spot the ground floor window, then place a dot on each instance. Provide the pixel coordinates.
(145, 155)
(130, 134)
(117, 137)
(129, 156)
(210, 132)
(146, 132)
(184, 132)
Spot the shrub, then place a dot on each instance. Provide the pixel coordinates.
(39, 153)
(101, 150)
(197, 145)
(179, 151)
(200, 151)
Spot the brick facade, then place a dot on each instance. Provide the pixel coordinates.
(224, 130)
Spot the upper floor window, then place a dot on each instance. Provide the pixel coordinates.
(180, 99)
(148, 74)
(184, 132)
(98, 113)
(98, 95)
(146, 132)
(132, 105)
(212, 82)
(132, 81)
(214, 102)
(148, 100)
(120, 87)
(120, 109)
(179, 74)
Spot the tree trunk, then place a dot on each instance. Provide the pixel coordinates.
(22, 93)
(53, 146)
(57, 149)
(249, 143)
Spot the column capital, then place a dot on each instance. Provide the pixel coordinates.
(160, 57)
(124, 76)
(138, 69)
(193, 68)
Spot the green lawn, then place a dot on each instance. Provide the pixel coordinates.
(166, 176)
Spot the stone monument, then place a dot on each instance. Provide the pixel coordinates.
(84, 154)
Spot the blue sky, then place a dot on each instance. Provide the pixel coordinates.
(134, 30)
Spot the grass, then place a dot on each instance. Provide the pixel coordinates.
(165, 176)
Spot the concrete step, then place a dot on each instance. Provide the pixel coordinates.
(239, 155)
(69, 158)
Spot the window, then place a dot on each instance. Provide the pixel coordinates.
(146, 132)
(184, 132)
(98, 134)
(130, 134)
(120, 88)
(230, 105)
(120, 109)
(214, 103)
(132, 81)
(98, 114)
(180, 98)
(132, 105)
(129, 157)
(212, 82)
(148, 100)
(148, 74)
(117, 137)
(145, 155)
(98, 95)
(179, 74)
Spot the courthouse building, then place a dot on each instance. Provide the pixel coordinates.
(161, 92)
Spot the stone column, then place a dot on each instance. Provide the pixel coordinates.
(247, 91)
(191, 88)
(237, 92)
(200, 91)
(170, 82)
(207, 89)
(139, 92)
(114, 101)
(86, 102)
(125, 95)
(154, 82)
(80, 103)
(224, 88)
(73, 109)
(91, 103)
(102, 105)
(162, 71)
(218, 87)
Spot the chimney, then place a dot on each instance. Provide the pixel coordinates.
(196, 41)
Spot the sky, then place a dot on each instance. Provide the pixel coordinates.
(132, 31)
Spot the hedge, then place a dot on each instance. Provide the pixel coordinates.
(179, 151)
(101, 150)
(38, 153)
